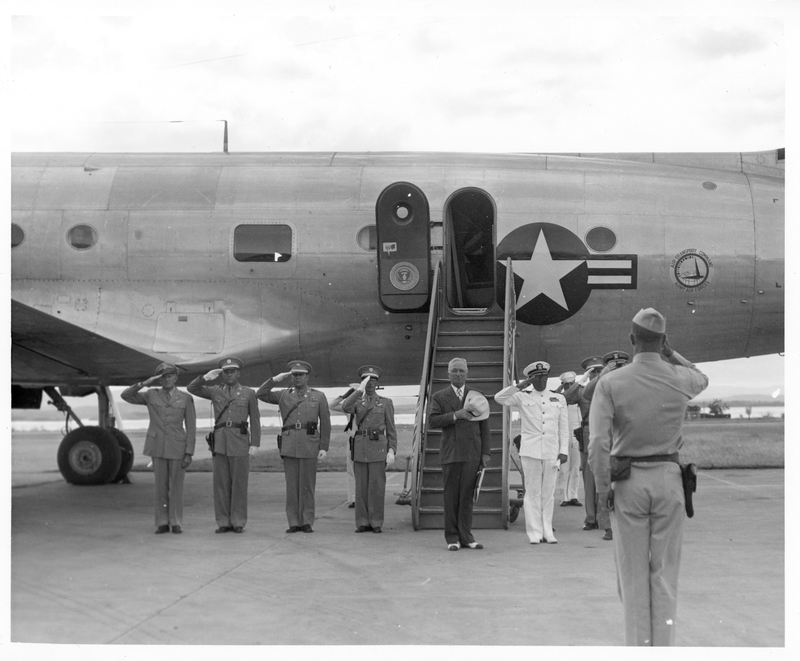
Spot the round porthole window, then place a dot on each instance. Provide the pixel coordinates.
(403, 214)
(367, 238)
(17, 235)
(82, 237)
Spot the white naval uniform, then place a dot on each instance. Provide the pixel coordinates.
(545, 430)
(568, 474)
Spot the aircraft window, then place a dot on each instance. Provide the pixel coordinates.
(262, 243)
(82, 237)
(17, 235)
(368, 238)
(403, 214)
(601, 239)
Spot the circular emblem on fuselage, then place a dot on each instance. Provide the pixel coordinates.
(555, 273)
(691, 269)
(404, 276)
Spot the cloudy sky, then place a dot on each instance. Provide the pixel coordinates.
(345, 76)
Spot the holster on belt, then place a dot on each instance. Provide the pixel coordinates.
(689, 477)
(620, 468)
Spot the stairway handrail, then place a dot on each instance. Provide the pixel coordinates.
(509, 362)
(425, 386)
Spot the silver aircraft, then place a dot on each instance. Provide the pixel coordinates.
(122, 261)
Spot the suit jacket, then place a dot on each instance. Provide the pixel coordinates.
(462, 440)
(166, 436)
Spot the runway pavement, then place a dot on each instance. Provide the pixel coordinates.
(87, 568)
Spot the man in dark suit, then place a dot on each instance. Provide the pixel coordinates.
(464, 451)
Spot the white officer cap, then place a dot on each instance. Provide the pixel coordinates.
(652, 320)
(567, 377)
(538, 367)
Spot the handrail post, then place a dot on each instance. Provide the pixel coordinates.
(509, 360)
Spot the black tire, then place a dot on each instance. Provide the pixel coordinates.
(513, 513)
(89, 455)
(126, 453)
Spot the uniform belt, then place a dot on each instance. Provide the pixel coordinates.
(296, 425)
(365, 432)
(229, 423)
(653, 458)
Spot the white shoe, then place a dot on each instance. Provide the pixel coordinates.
(551, 540)
(534, 542)
(454, 547)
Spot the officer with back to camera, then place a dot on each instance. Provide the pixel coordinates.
(544, 444)
(234, 441)
(636, 422)
(374, 447)
(303, 441)
(170, 441)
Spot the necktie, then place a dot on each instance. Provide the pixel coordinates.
(460, 394)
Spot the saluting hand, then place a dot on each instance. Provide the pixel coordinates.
(213, 374)
(363, 385)
(281, 376)
(151, 380)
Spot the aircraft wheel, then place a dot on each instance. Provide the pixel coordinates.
(513, 513)
(126, 453)
(89, 455)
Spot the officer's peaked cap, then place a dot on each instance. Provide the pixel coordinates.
(299, 366)
(652, 320)
(616, 356)
(567, 377)
(592, 361)
(166, 368)
(538, 367)
(369, 370)
(231, 364)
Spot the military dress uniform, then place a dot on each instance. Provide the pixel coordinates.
(545, 430)
(374, 438)
(231, 459)
(637, 413)
(306, 430)
(170, 437)
(569, 474)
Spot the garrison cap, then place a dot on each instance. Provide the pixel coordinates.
(616, 357)
(538, 367)
(592, 361)
(299, 366)
(652, 320)
(231, 364)
(457, 362)
(369, 370)
(568, 377)
(166, 368)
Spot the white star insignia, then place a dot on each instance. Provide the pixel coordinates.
(542, 274)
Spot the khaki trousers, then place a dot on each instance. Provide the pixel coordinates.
(648, 520)
(351, 480)
(301, 482)
(231, 475)
(168, 476)
(370, 492)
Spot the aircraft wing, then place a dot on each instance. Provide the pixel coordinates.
(48, 351)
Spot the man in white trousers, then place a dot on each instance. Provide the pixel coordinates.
(569, 475)
(543, 448)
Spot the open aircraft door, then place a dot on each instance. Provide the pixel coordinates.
(403, 235)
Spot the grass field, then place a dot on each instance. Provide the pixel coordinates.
(735, 443)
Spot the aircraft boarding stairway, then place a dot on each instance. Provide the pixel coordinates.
(486, 342)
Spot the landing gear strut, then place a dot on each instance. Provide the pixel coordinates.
(92, 455)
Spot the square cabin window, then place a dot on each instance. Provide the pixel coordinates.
(262, 243)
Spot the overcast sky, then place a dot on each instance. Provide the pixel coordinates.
(436, 76)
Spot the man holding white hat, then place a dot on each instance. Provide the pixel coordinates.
(568, 476)
(636, 423)
(544, 445)
(303, 441)
(234, 441)
(374, 448)
(465, 449)
(170, 441)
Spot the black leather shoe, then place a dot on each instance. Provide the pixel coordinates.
(307, 528)
(177, 530)
(566, 503)
(608, 536)
(161, 530)
(377, 529)
(293, 529)
(590, 526)
(351, 506)
(223, 529)
(238, 529)
(575, 502)
(363, 529)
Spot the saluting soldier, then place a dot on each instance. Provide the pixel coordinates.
(304, 440)
(374, 447)
(234, 441)
(170, 441)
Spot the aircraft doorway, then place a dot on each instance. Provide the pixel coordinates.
(470, 261)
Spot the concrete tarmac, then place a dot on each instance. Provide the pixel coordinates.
(87, 568)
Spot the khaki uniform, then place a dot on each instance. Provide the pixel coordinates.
(375, 436)
(306, 431)
(231, 448)
(170, 436)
